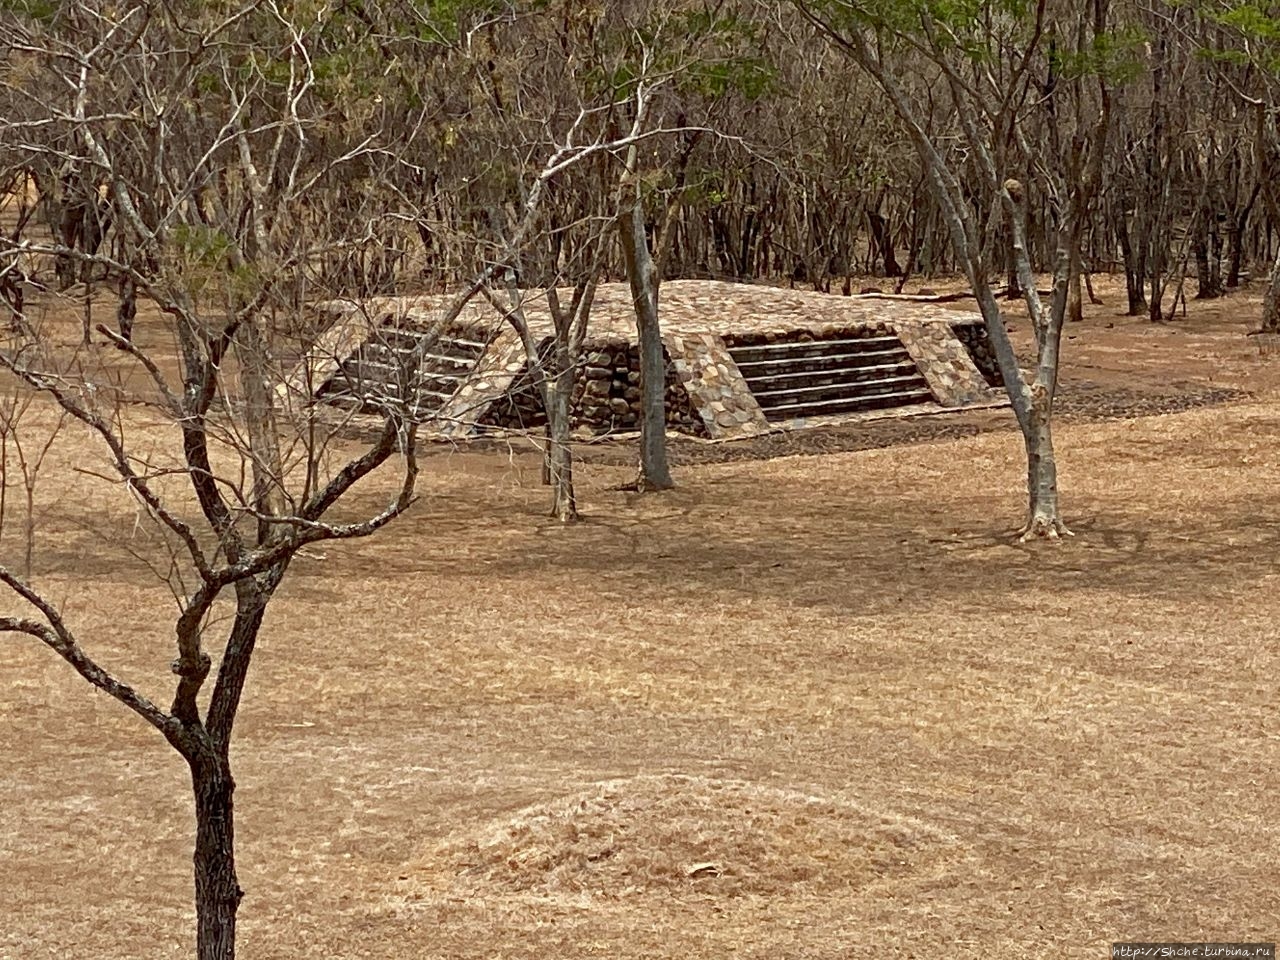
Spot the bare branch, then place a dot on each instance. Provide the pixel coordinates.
(55, 634)
(119, 455)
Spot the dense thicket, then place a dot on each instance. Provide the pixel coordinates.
(781, 159)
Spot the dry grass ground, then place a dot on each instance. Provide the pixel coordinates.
(812, 706)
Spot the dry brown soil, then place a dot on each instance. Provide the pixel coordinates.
(805, 706)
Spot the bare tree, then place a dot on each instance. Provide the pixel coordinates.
(553, 365)
(553, 233)
(210, 200)
(990, 105)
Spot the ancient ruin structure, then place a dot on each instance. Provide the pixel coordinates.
(742, 359)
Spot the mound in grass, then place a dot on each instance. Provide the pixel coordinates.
(674, 834)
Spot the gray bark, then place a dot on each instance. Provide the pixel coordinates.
(264, 448)
(1032, 402)
(1075, 291)
(1044, 518)
(557, 392)
(655, 472)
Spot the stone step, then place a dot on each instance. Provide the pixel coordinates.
(781, 396)
(813, 348)
(375, 402)
(379, 353)
(389, 388)
(473, 347)
(364, 371)
(802, 375)
(827, 377)
(404, 341)
(382, 388)
(419, 370)
(781, 364)
(827, 408)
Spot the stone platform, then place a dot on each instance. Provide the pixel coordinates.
(742, 359)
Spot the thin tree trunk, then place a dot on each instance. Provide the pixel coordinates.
(913, 249)
(546, 448)
(655, 472)
(86, 316)
(128, 308)
(1204, 288)
(1075, 292)
(1208, 254)
(218, 892)
(1271, 302)
(1088, 286)
(564, 504)
(1012, 287)
(882, 238)
(1155, 306)
(553, 366)
(1134, 269)
(1033, 408)
(259, 399)
(1235, 251)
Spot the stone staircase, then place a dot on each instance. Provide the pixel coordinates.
(817, 378)
(422, 371)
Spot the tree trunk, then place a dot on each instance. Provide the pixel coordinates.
(1075, 292)
(655, 473)
(128, 308)
(564, 504)
(1271, 302)
(217, 891)
(1235, 251)
(1155, 306)
(1044, 518)
(546, 447)
(1236, 238)
(1033, 409)
(1203, 290)
(1134, 270)
(1088, 286)
(882, 238)
(1208, 253)
(1012, 286)
(259, 404)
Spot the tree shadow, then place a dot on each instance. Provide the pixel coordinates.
(858, 558)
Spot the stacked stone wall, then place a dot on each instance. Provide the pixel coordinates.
(826, 332)
(606, 397)
(978, 343)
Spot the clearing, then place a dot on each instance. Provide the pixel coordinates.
(805, 706)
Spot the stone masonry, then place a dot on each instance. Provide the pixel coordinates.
(706, 392)
(714, 385)
(946, 363)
